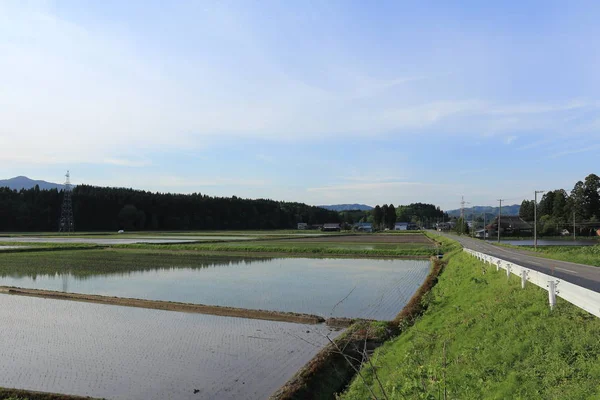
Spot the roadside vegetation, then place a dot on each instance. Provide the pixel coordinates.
(578, 254)
(589, 255)
(482, 336)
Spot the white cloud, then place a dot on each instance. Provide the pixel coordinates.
(121, 162)
(510, 139)
(74, 93)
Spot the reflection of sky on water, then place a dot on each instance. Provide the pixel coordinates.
(378, 288)
(132, 353)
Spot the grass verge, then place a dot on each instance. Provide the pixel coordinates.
(589, 255)
(482, 336)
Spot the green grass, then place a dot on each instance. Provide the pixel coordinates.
(482, 336)
(589, 255)
(445, 244)
(285, 247)
(84, 263)
(578, 254)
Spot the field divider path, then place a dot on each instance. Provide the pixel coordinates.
(222, 311)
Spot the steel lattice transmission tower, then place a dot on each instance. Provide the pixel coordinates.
(67, 223)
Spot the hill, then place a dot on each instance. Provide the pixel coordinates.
(23, 182)
(506, 210)
(347, 207)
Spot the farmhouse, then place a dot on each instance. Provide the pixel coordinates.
(510, 224)
(331, 227)
(405, 226)
(401, 226)
(363, 227)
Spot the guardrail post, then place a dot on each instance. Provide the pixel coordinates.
(508, 271)
(552, 294)
(498, 266)
(523, 278)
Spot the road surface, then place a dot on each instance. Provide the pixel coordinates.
(579, 274)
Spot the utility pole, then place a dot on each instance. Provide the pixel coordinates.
(499, 217)
(535, 218)
(573, 225)
(472, 222)
(484, 232)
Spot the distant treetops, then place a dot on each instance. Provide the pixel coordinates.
(557, 209)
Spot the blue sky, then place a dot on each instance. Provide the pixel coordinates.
(315, 101)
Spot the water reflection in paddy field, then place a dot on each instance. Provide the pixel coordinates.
(128, 353)
(113, 241)
(364, 288)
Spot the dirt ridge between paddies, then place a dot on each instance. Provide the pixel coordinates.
(6, 393)
(221, 311)
(332, 369)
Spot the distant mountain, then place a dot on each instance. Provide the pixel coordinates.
(347, 207)
(506, 210)
(23, 182)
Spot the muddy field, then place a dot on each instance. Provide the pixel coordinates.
(130, 353)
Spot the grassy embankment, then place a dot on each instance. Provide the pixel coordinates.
(482, 336)
(589, 255)
(16, 394)
(37, 246)
(285, 247)
(368, 245)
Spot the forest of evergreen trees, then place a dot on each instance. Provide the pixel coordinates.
(557, 208)
(110, 209)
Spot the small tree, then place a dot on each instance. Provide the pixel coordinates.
(462, 228)
(377, 217)
(391, 216)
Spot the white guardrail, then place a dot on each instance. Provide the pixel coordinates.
(583, 298)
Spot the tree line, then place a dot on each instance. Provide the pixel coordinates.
(557, 208)
(386, 216)
(105, 209)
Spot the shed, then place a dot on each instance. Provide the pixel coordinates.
(331, 227)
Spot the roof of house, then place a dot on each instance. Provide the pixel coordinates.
(511, 221)
(331, 225)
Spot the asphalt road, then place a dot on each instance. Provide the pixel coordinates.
(579, 274)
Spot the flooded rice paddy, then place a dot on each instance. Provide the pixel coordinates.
(113, 241)
(128, 353)
(360, 288)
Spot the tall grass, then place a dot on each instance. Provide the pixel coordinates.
(482, 336)
(589, 255)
